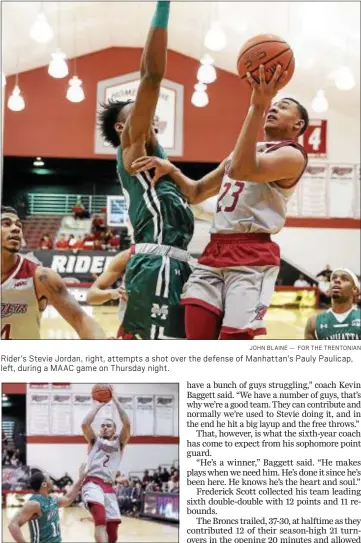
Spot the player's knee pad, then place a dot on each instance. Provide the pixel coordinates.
(201, 323)
(112, 531)
(98, 513)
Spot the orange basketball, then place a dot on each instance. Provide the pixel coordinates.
(102, 393)
(268, 50)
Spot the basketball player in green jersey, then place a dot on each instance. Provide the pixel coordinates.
(41, 511)
(343, 319)
(161, 218)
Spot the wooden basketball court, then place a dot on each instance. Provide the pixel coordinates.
(76, 525)
(281, 323)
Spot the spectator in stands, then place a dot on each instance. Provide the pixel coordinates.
(327, 272)
(325, 293)
(79, 210)
(71, 241)
(156, 479)
(15, 459)
(46, 242)
(165, 476)
(98, 246)
(88, 242)
(98, 224)
(62, 244)
(301, 281)
(136, 498)
(114, 243)
(146, 477)
(79, 243)
(175, 487)
(123, 496)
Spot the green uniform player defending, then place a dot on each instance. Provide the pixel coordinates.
(161, 218)
(41, 511)
(343, 320)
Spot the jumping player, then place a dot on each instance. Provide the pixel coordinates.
(41, 511)
(100, 291)
(343, 319)
(27, 288)
(105, 454)
(230, 290)
(161, 218)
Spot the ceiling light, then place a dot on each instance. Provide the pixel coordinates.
(200, 97)
(215, 39)
(41, 31)
(320, 103)
(58, 66)
(75, 92)
(16, 101)
(207, 72)
(38, 162)
(344, 79)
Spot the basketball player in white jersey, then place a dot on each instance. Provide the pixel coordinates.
(230, 290)
(27, 288)
(105, 454)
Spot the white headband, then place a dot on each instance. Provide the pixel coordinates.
(350, 273)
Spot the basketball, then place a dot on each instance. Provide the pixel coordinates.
(268, 50)
(102, 393)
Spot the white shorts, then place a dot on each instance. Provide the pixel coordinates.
(239, 295)
(93, 493)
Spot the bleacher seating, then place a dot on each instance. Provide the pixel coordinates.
(36, 226)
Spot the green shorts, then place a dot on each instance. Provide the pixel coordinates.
(154, 285)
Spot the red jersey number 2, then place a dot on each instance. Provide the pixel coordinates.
(236, 189)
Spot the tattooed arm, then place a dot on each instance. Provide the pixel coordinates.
(50, 286)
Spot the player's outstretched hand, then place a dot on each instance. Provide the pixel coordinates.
(161, 166)
(263, 92)
(119, 294)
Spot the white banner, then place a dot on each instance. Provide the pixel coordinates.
(168, 118)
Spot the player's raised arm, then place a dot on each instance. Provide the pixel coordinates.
(310, 330)
(86, 427)
(26, 513)
(194, 191)
(137, 128)
(65, 501)
(125, 432)
(49, 285)
(99, 293)
(284, 165)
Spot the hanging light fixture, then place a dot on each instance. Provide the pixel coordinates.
(75, 92)
(200, 97)
(41, 30)
(58, 66)
(16, 101)
(344, 79)
(215, 39)
(207, 72)
(320, 102)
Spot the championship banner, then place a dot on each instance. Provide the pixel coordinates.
(168, 120)
(342, 190)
